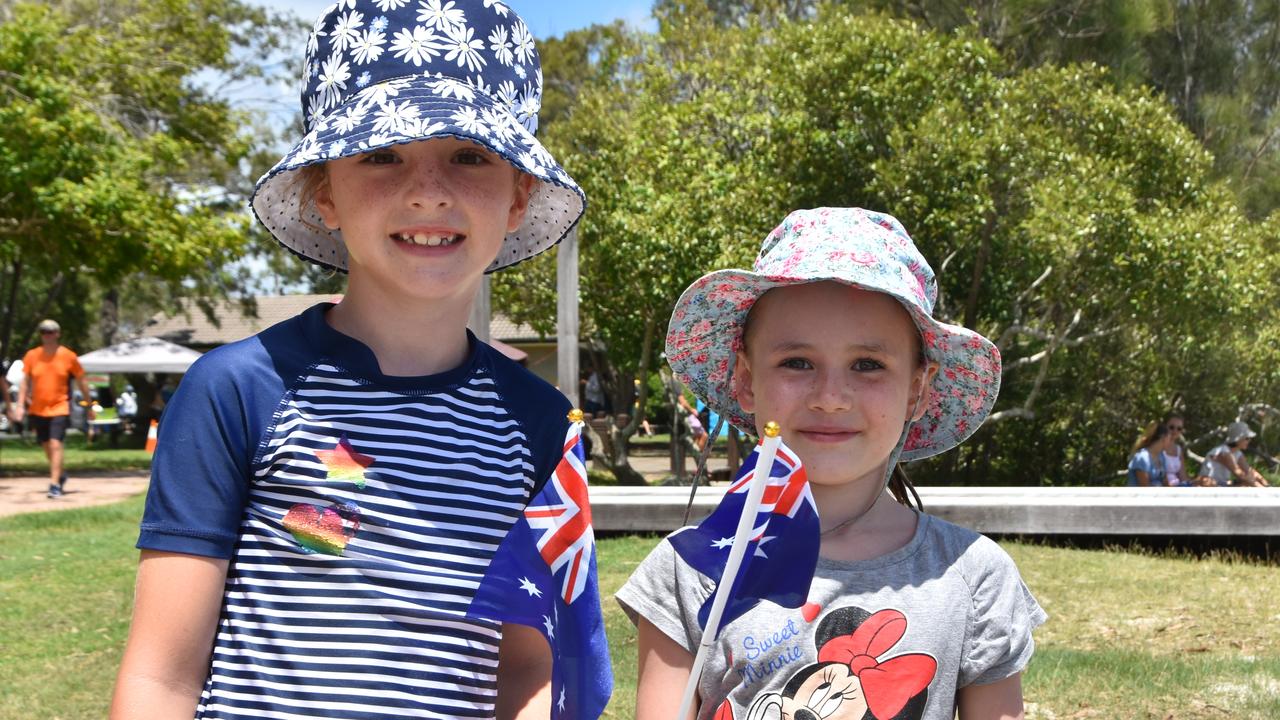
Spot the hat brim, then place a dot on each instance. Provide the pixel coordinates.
(706, 331)
(406, 110)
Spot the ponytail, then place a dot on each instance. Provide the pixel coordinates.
(900, 485)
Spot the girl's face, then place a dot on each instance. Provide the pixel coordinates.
(839, 370)
(424, 219)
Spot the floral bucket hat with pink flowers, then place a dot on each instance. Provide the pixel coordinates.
(384, 72)
(861, 248)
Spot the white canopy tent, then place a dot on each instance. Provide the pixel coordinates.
(144, 355)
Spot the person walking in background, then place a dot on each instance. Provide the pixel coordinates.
(1146, 460)
(1225, 464)
(8, 406)
(43, 395)
(592, 394)
(697, 432)
(1175, 465)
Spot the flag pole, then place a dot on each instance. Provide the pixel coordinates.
(746, 523)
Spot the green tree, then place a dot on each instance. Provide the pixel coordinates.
(1076, 223)
(1214, 60)
(121, 170)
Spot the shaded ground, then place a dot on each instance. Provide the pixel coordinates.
(27, 493)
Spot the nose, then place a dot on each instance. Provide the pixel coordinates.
(830, 392)
(427, 186)
(803, 714)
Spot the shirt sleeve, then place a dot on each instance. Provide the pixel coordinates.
(201, 469)
(668, 593)
(73, 366)
(998, 643)
(1140, 462)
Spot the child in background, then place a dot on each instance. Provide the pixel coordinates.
(908, 616)
(327, 494)
(1225, 464)
(696, 430)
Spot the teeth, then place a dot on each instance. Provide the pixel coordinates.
(429, 240)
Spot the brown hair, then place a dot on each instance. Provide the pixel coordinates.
(307, 182)
(900, 485)
(1153, 432)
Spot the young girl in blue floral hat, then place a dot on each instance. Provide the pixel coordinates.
(908, 616)
(327, 494)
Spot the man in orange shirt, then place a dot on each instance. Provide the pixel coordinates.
(47, 371)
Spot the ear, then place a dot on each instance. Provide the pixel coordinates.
(742, 383)
(520, 202)
(921, 391)
(323, 200)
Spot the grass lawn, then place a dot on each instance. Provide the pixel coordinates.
(19, 456)
(1131, 635)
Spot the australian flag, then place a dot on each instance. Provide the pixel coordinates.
(779, 561)
(544, 576)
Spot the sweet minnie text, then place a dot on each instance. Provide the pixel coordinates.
(756, 648)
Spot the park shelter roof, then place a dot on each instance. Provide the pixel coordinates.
(143, 355)
(190, 326)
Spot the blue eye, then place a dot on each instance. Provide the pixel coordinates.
(795, 364)
(867, 365)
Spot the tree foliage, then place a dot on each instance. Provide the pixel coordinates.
(1074, 219)
(120, 167)
(1213, 61)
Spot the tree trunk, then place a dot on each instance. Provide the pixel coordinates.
(109, 318)
(55, 288)
(11, 309)
(619, 441)
(979, 269)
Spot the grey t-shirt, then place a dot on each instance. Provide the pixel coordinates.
(892, 638)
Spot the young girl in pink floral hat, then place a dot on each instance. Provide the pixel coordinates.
(908, 616)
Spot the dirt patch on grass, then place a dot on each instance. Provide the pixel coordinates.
(28, 493)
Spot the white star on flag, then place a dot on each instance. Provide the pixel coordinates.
(561, 702)
(760, 544)
(527, 585)
(551, 628)
(722, 543)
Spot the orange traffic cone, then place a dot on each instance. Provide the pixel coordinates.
(152, 433)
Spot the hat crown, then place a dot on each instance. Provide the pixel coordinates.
(483, 44)
(853, 245)
(1238, 431)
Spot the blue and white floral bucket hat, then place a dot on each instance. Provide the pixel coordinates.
(386, 72)
(860, 248)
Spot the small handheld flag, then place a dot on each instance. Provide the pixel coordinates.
(783, 544)
(544, 575)
(768, 523)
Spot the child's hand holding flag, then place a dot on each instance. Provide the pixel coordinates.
(764, 535)
(544, 576)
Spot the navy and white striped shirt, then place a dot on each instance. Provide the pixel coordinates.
(358, 511)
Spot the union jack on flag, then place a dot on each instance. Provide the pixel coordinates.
(544, 575)
(783, 550)
(562, 520)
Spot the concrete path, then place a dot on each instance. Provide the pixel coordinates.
(1132, 512)
(27, 493)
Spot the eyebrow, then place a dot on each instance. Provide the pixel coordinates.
(795, 346)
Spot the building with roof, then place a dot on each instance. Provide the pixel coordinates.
(191, 327)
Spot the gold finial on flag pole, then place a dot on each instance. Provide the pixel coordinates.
(771, 429)
(575, 415)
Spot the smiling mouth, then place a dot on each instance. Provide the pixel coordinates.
(429, 239)
(828, 435)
